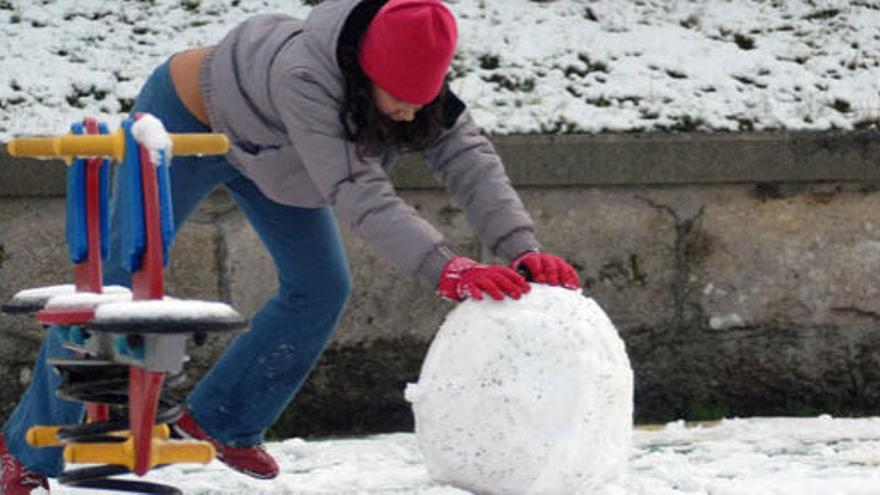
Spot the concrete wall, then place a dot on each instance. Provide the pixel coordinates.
(741, 269)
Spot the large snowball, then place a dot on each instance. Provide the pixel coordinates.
(525, 397)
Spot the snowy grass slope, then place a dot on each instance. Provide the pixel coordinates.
(524, 66)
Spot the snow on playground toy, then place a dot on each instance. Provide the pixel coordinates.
(128, 341)
(526, 397)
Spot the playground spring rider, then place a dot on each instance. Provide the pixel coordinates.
(128, 341)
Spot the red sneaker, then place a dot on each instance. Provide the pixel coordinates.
(253, 461)
(15, 479)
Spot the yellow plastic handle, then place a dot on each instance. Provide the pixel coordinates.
(199, 144)
(123, 454)
(83, 145)
(111, 145)
(178, 451)
(47, 436)
(43, 436)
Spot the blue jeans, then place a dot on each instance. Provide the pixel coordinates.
(257, 376)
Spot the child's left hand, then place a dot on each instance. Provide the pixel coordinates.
(545, 268)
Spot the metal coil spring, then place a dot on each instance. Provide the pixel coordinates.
(90, 380)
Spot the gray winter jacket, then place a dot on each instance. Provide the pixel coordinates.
(274, 87)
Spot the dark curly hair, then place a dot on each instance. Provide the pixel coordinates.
(364, 124)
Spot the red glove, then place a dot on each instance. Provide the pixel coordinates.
(546, 268)
(463, 277)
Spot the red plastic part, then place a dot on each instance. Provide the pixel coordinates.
(88, 273)
(65, 317)
(148, 283)
(143, 399)
(97, 412)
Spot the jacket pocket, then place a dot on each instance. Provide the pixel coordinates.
(254, 148)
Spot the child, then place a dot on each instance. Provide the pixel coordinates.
(314, 111)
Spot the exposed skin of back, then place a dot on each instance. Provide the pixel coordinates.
(184, 68)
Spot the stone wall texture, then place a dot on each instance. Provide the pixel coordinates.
(742, 271)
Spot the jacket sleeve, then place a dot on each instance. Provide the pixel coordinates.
(360, 190)
(473, 173)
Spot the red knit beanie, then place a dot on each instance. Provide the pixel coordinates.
(408, 47)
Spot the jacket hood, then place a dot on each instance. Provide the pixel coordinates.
(322, 31)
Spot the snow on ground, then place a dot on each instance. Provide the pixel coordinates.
(756, 456)
(523, 65)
